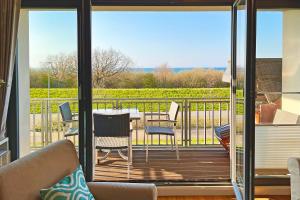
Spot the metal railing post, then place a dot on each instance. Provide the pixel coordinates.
(47, 122)
(43, 132)
(117, 104)
(186, 108)
(189, 126)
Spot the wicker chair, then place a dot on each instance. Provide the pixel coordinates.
(169, 130)
(70, 123)
(112, 132)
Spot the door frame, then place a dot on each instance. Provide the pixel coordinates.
(250, 94)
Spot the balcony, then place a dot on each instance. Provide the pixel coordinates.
(202, 158)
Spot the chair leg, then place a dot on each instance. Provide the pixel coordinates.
(130, 155)
(130, 151)
(129, 161)
(176, 146)
(128, 171)
(104, 157)
(172, 146)
(96, 156)
(144, 140)
(147, 148)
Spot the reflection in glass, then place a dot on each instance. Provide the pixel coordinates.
(278, 99)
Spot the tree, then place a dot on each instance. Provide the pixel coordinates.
(149, 81)
(38, 78)
(63, 69)
(107, 64)
(163, 74)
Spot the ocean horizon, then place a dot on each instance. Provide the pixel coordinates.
(175, 69)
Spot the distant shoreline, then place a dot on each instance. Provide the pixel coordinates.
(175, 69)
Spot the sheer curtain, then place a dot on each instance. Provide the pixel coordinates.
(9, 18)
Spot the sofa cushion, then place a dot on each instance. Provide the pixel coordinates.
(70, 187)
(284, 117)
(267, 113)
(23, 179)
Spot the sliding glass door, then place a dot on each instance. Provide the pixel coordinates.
(242, 99)
(237, 95)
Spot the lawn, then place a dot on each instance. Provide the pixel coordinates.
(164, 93)
(134, 93)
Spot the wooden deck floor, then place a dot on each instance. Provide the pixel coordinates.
(205, 165)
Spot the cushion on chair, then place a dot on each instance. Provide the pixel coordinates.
(159, 130)
(72, 132)
(223, 135)
(223, 131)
(111, 142)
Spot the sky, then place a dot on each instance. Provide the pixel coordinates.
(180, 39)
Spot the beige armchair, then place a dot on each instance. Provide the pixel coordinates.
(294, 169)
(24, 178)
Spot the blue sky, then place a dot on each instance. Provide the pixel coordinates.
(185, 39)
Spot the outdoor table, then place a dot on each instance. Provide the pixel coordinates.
(134, 113)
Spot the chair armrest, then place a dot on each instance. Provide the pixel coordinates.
(75, 116)
(154, 113)
(70, 121)
(161, 120)
(125, 191)
(158, 120)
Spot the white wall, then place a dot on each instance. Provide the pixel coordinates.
(24, 82)
(291, 61)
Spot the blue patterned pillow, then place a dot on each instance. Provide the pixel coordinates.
(72, 187)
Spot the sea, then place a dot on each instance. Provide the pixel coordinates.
(175, 69)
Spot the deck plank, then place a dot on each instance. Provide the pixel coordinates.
(200, 165)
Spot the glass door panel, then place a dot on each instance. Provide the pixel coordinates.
(238, 101)
(278, 95)
(47, 68)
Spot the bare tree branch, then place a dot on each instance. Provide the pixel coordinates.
(62, 66)
(108, 63)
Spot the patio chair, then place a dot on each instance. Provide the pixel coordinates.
(169, 130)
(112, 132)
(70, 123)
(223, 135)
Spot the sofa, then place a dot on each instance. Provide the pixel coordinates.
(294, 169)
(23, 179)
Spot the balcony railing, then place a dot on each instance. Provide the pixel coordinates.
(196, 119)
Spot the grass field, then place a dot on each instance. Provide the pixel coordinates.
(164, 93)
(134, 93)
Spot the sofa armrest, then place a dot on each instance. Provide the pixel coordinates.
(124, 191)
(294, 166)
(294, 169)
